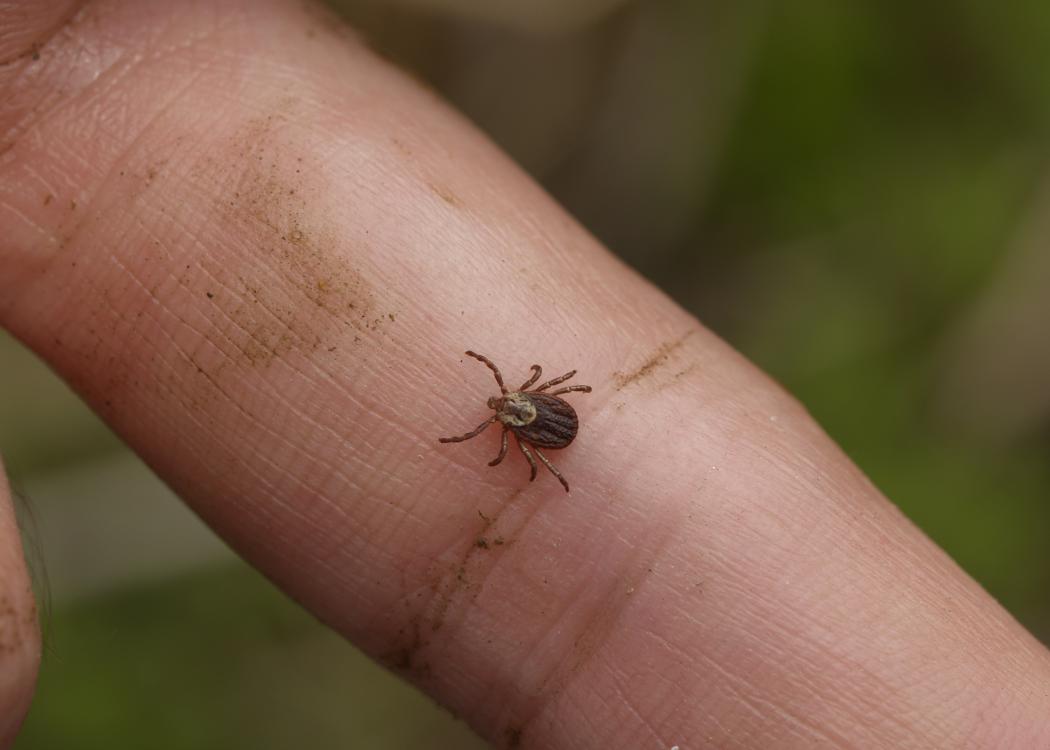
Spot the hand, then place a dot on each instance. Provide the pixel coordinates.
(259, 253)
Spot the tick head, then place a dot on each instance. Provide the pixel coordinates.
(514, 409)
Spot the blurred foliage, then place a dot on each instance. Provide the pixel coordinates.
(880, 172)
(850, 193)
(127, 666)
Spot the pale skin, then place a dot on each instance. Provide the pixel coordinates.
(261, 274)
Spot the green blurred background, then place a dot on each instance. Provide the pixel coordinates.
(853, 194)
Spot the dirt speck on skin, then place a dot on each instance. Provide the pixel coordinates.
(513, 735)
(653, 363)
(286, 254)
(7, 626)
(12, 626)
(446, 195)
(687, 371)
(403, 656)
(454, 584)
(447, 587)
(401, 146)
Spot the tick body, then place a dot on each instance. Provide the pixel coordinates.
(537, 418)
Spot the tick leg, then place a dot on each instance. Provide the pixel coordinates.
(550, 466)
(570, 389)
(495, 370)
(480, 428)
(536, 372)
(532, 461)
(502, 449)
(557, 380)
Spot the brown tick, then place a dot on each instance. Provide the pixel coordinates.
(537, 419)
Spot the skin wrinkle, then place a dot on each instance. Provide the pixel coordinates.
(17, 128)
(591, 635)
(772, 624)
(316, 369)
(804, 687)
(144, 132)
(594, 727)
(669, 700)
(444, 601)
(247, 467)
(993, 663)
(619, 676)
(853, 701)
(70, 235)
(435, 609)
(105, 81)
(290, 509)
(28, 222)
(654, 737)
(46, 187)
(495, 685)
(296, 279)
(762, 709)
(97, 90)
(737, 687)
(244, 465)
(744, 620)
(112, 74)
(41, 43)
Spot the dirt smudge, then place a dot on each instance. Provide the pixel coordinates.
(403, 658)
(282, 254)
(652, 364)
(447, 587)
(593, 632)
(445, 194)
(15, 625)
(454, 582)
(513, 736)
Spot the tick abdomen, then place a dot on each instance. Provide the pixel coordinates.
(555, 424)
